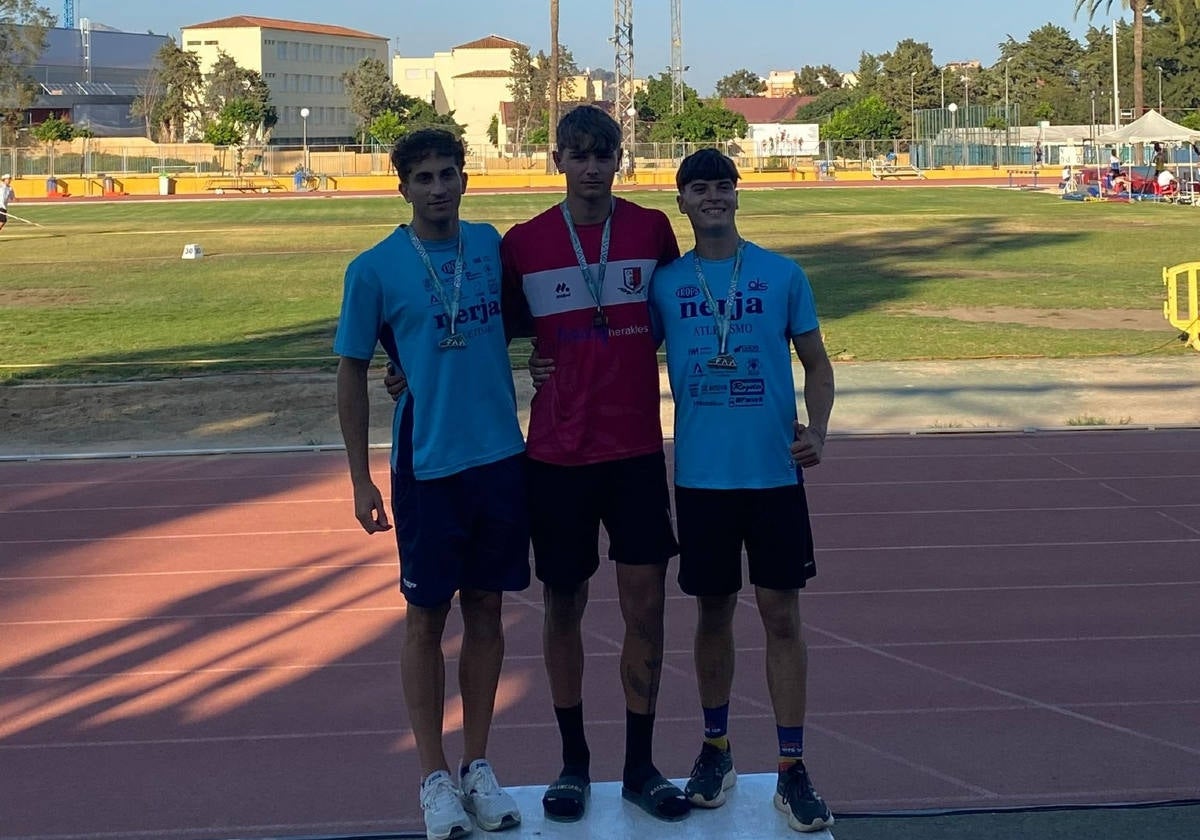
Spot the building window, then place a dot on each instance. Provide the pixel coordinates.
(306, 52)
(341, 55)
(281, 51)
(211, 43)
(193, 43)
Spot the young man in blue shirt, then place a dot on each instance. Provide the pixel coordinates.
(731, 313)
(430, 295)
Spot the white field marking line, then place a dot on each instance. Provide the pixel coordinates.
(249, 503)
(1117, 492)
(185, 672)
(207, 255)
(1012, 695)
(308, 829)
(136, 620)
(242, 570)
(965, 546)
(160, 537)
(973, 511)
(1060, 587)
(1056, 459)
(1175, 521)
(934, 482)
(1067, 798)
(183, 479)
(903, 761)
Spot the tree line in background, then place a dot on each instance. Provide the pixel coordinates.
(1049, 76)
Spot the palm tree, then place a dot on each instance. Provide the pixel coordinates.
(552, 118)
(1138, 7)
(1177, 7)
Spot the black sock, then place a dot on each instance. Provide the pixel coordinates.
(576, 756)
(639, 756)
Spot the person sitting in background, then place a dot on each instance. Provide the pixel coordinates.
(1120, 183)
(1166, 184)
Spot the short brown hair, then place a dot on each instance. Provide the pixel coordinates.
(588, 128)
(413, 148)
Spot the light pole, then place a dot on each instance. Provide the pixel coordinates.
(912, 102)
(1160, 88)
(1007, 118)
(953, 108)
(943, 86)
(966, 94)
(304, 129)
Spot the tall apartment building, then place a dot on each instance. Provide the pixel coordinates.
(302, 64)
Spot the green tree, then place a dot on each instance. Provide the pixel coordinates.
(23, 25)
(813, 81)
(529, 88)
(869, 118)
(50, 131)
(740, 83)
(171, 93)
(227, 82)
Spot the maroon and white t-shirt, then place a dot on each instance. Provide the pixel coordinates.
(602, 402)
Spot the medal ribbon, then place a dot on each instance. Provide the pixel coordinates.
(595, 285)
(721, 319)
(450, 306)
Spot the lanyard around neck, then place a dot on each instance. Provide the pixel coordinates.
(595, 285)
(721, 318)
(451, 306)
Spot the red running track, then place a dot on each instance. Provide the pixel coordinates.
(200, 647)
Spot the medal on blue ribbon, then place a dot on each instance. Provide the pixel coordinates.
(454, 340)
(724, 360)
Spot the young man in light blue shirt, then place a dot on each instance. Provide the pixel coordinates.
(731, 313)
(429, 293)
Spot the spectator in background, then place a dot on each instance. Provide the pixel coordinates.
(6, 195)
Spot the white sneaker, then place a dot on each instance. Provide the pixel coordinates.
(441, 801)
(493, 808)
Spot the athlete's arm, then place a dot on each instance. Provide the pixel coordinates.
(809, 440)
(354, 412)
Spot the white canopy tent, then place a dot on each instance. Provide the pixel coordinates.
(1150, 127)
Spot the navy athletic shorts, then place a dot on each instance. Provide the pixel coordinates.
(469, 530)
(772, 524)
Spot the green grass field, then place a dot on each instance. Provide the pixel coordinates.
(100, 291)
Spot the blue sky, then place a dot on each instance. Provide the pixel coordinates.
(764, 35)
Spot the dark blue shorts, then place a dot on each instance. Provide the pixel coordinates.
(772, 524)
(568, 504)
(469, 530)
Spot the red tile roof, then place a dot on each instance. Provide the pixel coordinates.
(766, 109)
(251, 21)
(490, 42)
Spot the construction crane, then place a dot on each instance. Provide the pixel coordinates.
(68, 21)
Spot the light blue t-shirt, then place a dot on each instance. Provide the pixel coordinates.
(460, 409)
(733, 429)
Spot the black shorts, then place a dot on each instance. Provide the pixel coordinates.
(772, 524)
(469, 530)
(568, 504)
(3, 216)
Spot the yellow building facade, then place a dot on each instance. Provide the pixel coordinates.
(301, 63)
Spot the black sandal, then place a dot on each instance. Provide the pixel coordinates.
(566, 800)
(659, 798)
